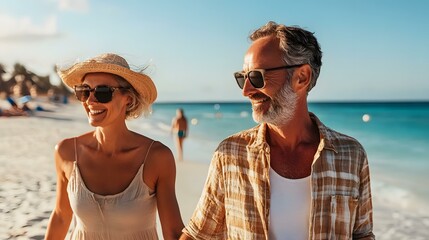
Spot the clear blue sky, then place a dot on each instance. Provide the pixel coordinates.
(373, 49)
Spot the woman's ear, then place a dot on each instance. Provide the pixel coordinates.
(302, 78)
(129, 100)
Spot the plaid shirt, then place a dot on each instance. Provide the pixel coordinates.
(235, 203)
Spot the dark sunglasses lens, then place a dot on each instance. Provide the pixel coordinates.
(239, 77)
(256, 79)
(103, 94)
(81, 93)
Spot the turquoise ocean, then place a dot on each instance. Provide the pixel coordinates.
(394, 134)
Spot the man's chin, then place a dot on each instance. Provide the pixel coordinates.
(256, 119)
(269, 119)
(260, 118)
(258, 114)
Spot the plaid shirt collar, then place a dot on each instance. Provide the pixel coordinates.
(326, 137)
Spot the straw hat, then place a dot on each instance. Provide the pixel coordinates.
(114, 64)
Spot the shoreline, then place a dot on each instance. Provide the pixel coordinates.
(28, 179)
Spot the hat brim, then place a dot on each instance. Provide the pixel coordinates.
(142, 83)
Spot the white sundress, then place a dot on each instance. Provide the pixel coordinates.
(128, 215)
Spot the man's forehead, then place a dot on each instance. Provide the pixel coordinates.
(263, 52)
(248, 61)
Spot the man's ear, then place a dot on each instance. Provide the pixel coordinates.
(301, 78)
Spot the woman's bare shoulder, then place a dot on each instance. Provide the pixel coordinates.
(66, 148)
(159, 154)
(160, 148)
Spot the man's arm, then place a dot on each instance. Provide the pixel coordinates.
(364, 224)
(208, 220)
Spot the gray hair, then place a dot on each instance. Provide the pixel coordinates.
(299, 46)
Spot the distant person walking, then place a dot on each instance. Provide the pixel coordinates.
(179, 127)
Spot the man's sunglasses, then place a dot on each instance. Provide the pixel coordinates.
(256, 76)
(102, 93)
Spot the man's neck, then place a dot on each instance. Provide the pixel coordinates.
(293, 146)
(300, 129)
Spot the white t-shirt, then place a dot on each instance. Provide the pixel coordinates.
(290, 207)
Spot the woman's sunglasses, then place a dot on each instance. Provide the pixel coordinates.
(102, 93)
(256, 76)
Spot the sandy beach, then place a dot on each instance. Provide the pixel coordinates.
(27, 179)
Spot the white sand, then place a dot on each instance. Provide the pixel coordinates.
(27, 179)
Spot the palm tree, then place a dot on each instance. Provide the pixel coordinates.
(2, 83)
(2, 71)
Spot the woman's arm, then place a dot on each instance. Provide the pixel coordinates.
(62, 214)
(168, 208)
(173, 125)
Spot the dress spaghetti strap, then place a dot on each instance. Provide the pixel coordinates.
(73, 222)
(75, 150)
(147, 153)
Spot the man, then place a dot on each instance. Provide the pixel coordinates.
(290, 177)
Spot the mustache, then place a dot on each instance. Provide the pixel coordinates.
(257, 96)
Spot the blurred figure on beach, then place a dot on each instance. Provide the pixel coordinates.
(12, 112)
(290, 177)
(21, 92)
(179, 128)
(14, 109)
(25, 96)
(111, 181)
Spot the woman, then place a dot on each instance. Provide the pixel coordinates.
(113, 180)
(179, 126)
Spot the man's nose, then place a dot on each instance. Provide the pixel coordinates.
(248, 88)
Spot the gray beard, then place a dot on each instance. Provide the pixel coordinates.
(281, 110)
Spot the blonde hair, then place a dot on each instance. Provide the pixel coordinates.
(138, 105)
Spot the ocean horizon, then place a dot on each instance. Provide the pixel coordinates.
(369, 101)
